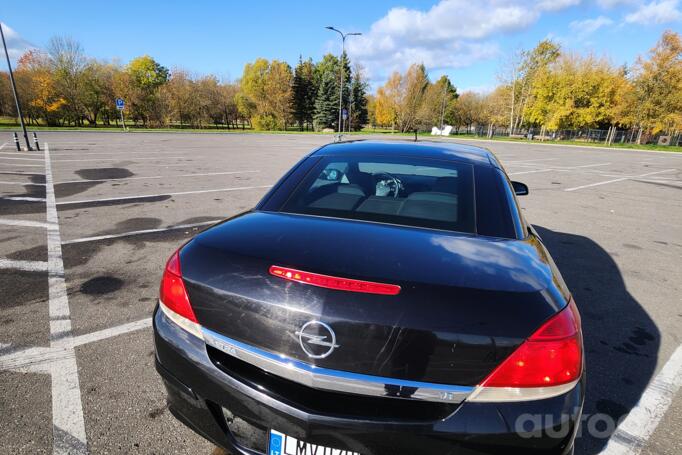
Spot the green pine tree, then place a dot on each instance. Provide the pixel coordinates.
(303, 93)
(358, 90)
(327, 102)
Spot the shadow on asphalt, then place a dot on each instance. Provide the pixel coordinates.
(621, 340)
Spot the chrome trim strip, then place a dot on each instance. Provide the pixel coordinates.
(186, 324)
(333, 380)
(515, 394)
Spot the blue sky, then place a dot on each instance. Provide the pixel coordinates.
(466, 39)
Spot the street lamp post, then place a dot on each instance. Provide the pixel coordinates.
(14, 89)
(343, 52)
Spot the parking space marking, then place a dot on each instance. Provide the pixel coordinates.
(24, 266)
(42, 359)
(534, 171)
(23, 198)
(22, 183)
(21, 173)
(68, 424)
(22, 159)
(22, 165)
(140, 232)
(639, 425)
(111, 332)
(3, 146)
(179, 193)
(556, 168)
(590, 185)
(529, 161)
(24, 223)
(115, 153)
(123, 158)
(207, 174)
(4, 154)
(188, 162)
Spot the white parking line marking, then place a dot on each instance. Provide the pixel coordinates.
(24, 223)
(21, 173)
(529, 161)
(179, 193)
(140, 232)
(633, 432)
(3, 146)
(587, 165)
(41, 359)
(531, 172)
(33, 360)
(114, 153)
(24, 266)
(68, 425)
(22, 159)
(22, 183)
(23, 198)
(22, 165)
(123, 158)
(155, 177)
(618, 180)
(18, 154)
(111, 332)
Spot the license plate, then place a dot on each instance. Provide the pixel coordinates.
(282, 444)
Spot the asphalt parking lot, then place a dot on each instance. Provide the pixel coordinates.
(86, 227)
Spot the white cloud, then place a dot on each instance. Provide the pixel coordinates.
(556, 5)
(16, 45)
(656, 12)
(608, 4)
(451, 34)
(588, 26)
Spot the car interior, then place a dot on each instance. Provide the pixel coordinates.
(389, 192)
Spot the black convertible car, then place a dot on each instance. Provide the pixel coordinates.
(382, 298)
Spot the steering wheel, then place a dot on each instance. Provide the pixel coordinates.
(385, 186)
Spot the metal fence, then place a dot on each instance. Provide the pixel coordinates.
(629, 136)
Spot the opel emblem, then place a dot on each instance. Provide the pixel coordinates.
(317, 339)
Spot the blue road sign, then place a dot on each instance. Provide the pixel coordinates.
(344, 114)
(120, 104)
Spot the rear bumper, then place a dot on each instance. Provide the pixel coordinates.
(199, 393)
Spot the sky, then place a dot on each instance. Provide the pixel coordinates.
(469, 40)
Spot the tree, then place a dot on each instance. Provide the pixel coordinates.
(658, 85)
(96, 89)
(372, 110)
(575, 92)
(266, 88)
(411, 95)
(358, 100)
(387, 101)
(303, 93)
(68, 61)
(140, 86)
(40, 93)
(438, 97)
(278, 88)
(521, 70)
(181, 95)
(469, 109)
(327, 102)
(330, 67)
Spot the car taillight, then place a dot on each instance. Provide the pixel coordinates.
(333, 282)
(172, 292)
(548, 363)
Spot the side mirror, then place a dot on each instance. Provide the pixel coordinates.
(520, 189)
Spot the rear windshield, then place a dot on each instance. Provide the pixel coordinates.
(415, 192)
